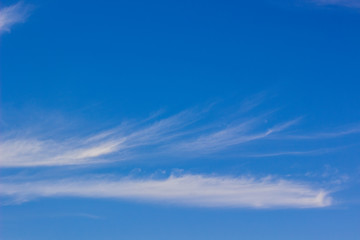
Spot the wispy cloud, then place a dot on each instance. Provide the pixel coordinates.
(192, 190)
(327, 135)
(181, 132)
(17, 150)
(319, 151)
(185, 134)
(230, 136)
(346, 3)
(13, 14)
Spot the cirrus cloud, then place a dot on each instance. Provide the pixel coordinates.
(13, 14)
(190, 190)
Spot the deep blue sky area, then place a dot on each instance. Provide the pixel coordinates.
(180, 119)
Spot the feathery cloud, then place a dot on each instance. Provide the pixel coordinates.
(327, 135)
(13, 14)
(27, 151)
(191, 190)
(184, 133)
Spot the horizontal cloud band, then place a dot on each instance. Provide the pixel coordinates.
(171, 136)
(193, 190)
(182, 133)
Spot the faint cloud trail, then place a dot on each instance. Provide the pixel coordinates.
(13, 14)
(189, 190)
(182, 134)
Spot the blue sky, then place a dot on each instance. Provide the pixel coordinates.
(180, 119)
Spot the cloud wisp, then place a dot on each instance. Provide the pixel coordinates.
(183, 134)
(38, 150)
(168, 135)
(189, 190)
(13, 14)
(230, 136)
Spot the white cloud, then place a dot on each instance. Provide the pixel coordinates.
(165, 136)
(319, 151)
(17, 150)
(327, 135)
(230, 136)
(13, 14)
(192, 190)
(183, 134)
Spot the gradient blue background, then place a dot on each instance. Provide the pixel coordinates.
(104, 61)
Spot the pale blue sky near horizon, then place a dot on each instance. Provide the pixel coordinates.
(180, 119)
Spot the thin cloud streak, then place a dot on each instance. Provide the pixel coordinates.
(183, 133)
(189, 190)
(17, 151)
(165, 136)
(230, 136)
(13, 14)
(313, 152)
(294, 153)
(325, 135)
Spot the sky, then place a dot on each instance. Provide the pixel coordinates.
(180, 119)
